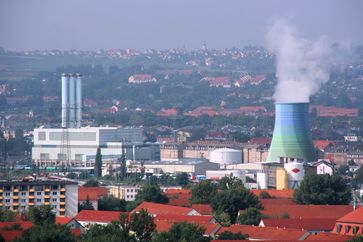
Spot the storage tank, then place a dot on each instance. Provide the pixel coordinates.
(291, 136)
(262, 180)
(295, 173)
(226, 156)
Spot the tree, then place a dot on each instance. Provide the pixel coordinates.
(47, 233)
(227, 235)
(7, 215)
(230, 182)
(123, 168)
(358, 176)
(151, 193)
(72, 175)
(232, 200)
(358, 238)
(42, 215)
(111, 203)
(142, 224)
(98, 163)
(264, 195)
(86, 205)
(251, 216)
(182, 232)
(203, 192)
(91, 183)
(182, 179)
(223, 218)
(323, 189)
(113, 232)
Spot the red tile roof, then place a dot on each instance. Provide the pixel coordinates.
(307, 224)
(327, 237)
(210, 228)
(62, 220)
(177, 191)
(270, 233)
(277, 201)
(307, 211)
(98, 216)
(11, 235)
(93, 193)
(203, 209)
(322, 144)
(275, 193)
(156, 208)
(23, 224)
(354, 217)
(185, 218)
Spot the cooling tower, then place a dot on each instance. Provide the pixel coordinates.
(291, 137)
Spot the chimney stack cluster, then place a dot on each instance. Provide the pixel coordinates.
(71, 100)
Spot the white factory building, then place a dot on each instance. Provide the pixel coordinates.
(50, 146)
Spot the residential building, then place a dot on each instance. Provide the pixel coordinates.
(159, 209)
(128, 193)
(351, 223)
(89, 217)
(62, 196)
(141, 78)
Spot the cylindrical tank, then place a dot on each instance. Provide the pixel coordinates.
(64, 100)
(72, 101)
(226, 156)
(262, 180)
(291, 137)
(78, 101)
(295, 173)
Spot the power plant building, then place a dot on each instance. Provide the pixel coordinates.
(291, 136)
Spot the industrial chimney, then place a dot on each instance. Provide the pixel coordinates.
(64, 100)
(291, 138)
(71, 101)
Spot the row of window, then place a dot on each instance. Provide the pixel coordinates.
(349, 228)
(36, 188)
(25, 200)
(25, 194)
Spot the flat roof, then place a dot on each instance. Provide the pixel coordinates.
(178, 162)
(37, 182)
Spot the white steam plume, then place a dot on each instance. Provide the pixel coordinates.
(302, 65)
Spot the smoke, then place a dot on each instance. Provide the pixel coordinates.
(302, 65)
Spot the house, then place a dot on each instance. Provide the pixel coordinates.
(186, 218)
(218, 81)
(157, 209)
(89, 217)
(306, 211)
(203, 209)
(141, 78)
(210, 228)
(92, 194)
(69, 222)
(256, 80)
(314, 225)
(351, 223)
(324, 167)
(266, 233)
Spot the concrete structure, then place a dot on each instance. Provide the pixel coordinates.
(291, 137)
(225, 156)
(193, 167)
(218, 174)
(255, 153)
(83, 144)
(62, 196)
(128, 193)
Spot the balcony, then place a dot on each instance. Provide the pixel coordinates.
(62, 196)
(46, 196)
(16, 190)
(62, 189)
(31, 197)
(15, 204)
(47, 190)
(31, 190)
(1, 197)
(62, 203)
(15, 197)
(62, 209)
(1, 190)
(1, 204)
(31, 204)
(46, 203)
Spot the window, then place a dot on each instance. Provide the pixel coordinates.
(127, 196)
(355, 229)
(39, 200)
(23, 193)
(347, 228)
(54, 199)
(39, 193)
(7, 194)
(23, 200)
(127, 190)
(55, 193)
(44, 156)
(54, 206)
(7, 200)
(78, 157)
(41, 135)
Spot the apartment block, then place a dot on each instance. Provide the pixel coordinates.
(62, 196)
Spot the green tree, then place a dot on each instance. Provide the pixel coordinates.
(86, 205)
(142, 224)
(113, 232)
(251, 216)
(123, 168)
(230, 182)
(111, 203)
(182, 232)
(182, 179)
(7, 215)
(91, 183)
(232, 200)
(98, 163)
(358, 176)
(264, 195)
(47, 233)
(358, 238)
(323, 189)
(151, 193)
(227, 235)
(223, 218)
(203, 192)
(42, 215)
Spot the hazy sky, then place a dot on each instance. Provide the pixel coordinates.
(96, 24)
